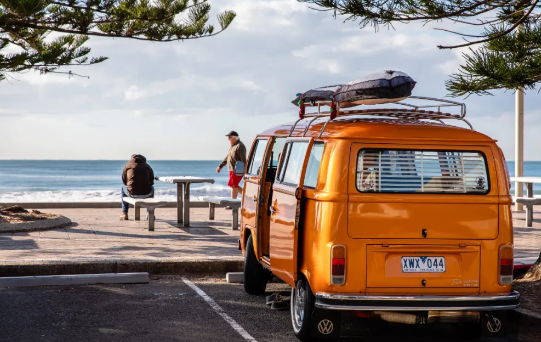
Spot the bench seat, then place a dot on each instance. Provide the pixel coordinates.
(529, 202)
(150, 203)
(235, 204)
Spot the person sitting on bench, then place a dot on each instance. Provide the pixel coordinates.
(138, 179)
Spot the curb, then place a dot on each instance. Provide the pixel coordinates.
(170, 267)
(75, 279)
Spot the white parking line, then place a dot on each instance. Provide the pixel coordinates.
(220, 311)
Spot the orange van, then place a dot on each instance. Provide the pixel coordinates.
(383, 213)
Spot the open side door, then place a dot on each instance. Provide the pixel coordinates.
(285, 208)
(253, 179)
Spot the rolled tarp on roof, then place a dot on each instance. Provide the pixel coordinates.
(382, 87)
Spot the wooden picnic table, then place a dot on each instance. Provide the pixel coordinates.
(183, 194)
(529, 181)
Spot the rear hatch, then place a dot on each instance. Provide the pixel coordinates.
(414, 200)
(422, 193)
(468, 221)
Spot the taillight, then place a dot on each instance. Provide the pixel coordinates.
(506, 265)
(338, 265)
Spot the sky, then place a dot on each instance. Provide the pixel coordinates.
(176, 101)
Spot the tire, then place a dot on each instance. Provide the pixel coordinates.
(302, 306)
(494, 324)
(255, 275)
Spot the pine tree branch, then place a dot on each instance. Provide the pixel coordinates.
(498, 35)
(26, 24)
(62, 4)
(388, 16)
(31, 25)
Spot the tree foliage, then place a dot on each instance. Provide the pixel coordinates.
(507, 35)
(507, 62)
(26, 26)
(506, 15)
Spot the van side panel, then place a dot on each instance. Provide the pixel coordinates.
(317, 240)
(324, 214)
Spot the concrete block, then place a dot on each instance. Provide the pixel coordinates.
(76, 279)
(235, 277)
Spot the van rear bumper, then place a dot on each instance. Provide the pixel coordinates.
(416, 303)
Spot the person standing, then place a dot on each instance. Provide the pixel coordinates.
(237, 153)
(138, 179)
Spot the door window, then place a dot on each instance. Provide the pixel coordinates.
(257, 157)
(292, 163)
(276, 152)
(312, 170)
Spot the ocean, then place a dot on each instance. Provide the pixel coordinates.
(100, 180)
(97, 180)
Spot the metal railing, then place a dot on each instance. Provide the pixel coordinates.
(417, 112)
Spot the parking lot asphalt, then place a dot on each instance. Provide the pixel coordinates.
(199, 309)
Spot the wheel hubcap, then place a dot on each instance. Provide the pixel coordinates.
(298, 308)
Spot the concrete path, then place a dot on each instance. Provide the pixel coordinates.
(98, 236)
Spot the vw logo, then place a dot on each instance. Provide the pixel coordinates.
(325, 327)
(494, 326)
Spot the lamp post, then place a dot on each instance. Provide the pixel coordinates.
(519, 138)
(519, 144)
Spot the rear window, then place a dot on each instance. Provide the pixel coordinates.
(416, 171)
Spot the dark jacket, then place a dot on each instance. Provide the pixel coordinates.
(237, 152)
(138, 176)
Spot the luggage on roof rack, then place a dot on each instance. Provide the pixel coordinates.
(382, 87)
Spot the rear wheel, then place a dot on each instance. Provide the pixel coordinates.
(309, 323)
(302, 305)
(494, 324)
(255, 275)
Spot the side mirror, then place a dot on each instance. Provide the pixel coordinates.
(239, 169)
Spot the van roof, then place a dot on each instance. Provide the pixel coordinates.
(376, 128)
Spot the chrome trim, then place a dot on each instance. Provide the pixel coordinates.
(512, 295)
(413, 308)
(349, 302)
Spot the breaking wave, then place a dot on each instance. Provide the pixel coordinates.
(105, 195)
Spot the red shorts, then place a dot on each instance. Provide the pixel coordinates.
(234, 180)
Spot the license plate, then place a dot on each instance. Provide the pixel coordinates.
(423, 264)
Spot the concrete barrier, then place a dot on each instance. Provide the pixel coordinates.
(235, 277)
(170, 267)
(76, 279)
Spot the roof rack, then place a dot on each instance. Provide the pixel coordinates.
(417, 112)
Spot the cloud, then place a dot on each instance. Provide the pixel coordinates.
(244, 79)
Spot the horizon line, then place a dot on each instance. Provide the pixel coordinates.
(106, 159)
(30, 159)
